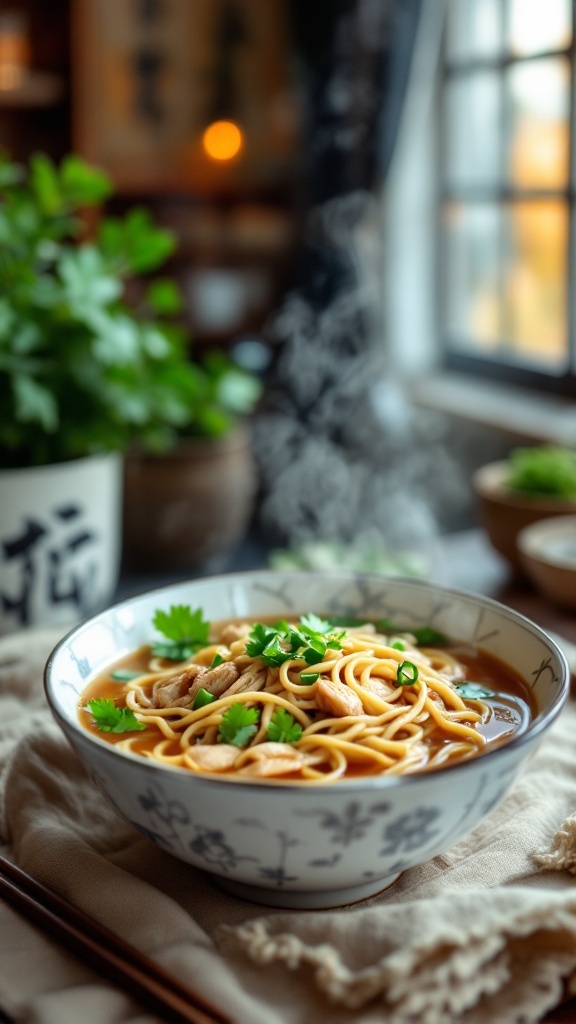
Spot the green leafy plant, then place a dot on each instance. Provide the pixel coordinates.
(544, 469)
(83, 370)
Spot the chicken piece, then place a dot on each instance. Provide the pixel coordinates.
(214, 757)
(231, 633)
(337, 699)
(167, 692)
(216, 680)
(253, 678)
(273, 749)
(271, 766)
(379, 688)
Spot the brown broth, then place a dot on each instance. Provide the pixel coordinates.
(513, 705)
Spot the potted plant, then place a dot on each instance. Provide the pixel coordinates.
(533, 483)
(84, 375)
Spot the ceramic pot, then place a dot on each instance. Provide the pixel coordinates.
(504, 513)
(59, 541)
(189, 504)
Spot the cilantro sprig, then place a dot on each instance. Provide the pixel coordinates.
(110, 718)
(238, 724)
(186, 631)
(473, 691)
(310, 640)
(283, 728)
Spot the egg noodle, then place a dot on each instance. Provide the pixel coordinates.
(355, 716)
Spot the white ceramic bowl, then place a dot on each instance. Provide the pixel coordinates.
(548, 553)
(308, 846)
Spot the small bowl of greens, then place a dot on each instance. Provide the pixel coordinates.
(534, 483)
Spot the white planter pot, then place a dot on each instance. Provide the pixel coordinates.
(60, 541)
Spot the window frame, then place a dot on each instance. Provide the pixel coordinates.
(454, 354)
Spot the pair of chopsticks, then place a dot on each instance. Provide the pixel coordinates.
(130, 969)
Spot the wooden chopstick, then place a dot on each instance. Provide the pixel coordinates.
(132, 971)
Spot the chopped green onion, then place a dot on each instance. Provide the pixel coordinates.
(307, 678)
(407, 673)
(399, 645)
(202, 698)
(124, 675)
(216, 660)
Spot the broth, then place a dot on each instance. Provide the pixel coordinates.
(510, 710)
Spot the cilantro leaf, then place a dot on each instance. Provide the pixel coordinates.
(315, 624)
(186, 632)
(309, 640)
(238, 724)
(258, 638)
(283, 728)
(110, 718)
(424, 635)
(473, 691)
(124, 675)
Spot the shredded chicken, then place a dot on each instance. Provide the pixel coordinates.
(215, 757)
(216, 680)
(166, 691)
(231, 633)
(337, 699)
(379, 688)
(253, 678)
(271, 766)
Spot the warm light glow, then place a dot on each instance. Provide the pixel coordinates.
(222, 140)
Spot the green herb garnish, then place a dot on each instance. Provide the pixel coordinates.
(110, 718)
(407, 673)
(315, 624)
(309, 640)
(186, 631)
(283, 728)
(238, 724)
(124, 675)
(399, 645)
(216, 660)
(307, 678)
(472, 691)
(424, 635)
(202, 698)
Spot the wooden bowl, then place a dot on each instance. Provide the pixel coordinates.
(548, 553)
(504, 512)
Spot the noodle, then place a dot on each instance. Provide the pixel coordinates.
(352, 713)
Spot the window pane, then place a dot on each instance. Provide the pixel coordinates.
(472, 245)
(473, 129)
(474, 28)
(538, 94)
(536, 26)
(536, 241)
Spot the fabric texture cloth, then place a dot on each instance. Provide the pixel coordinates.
(484, 932)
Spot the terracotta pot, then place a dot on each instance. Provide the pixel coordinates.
(189, 504)
(504, 513)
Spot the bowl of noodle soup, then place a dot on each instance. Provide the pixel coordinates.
(305, 737)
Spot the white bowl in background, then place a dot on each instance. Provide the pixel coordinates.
(548, 553)
(310, 846)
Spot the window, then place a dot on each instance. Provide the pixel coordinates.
(507, 191)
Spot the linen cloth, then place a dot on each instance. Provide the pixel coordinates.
(484, 932)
